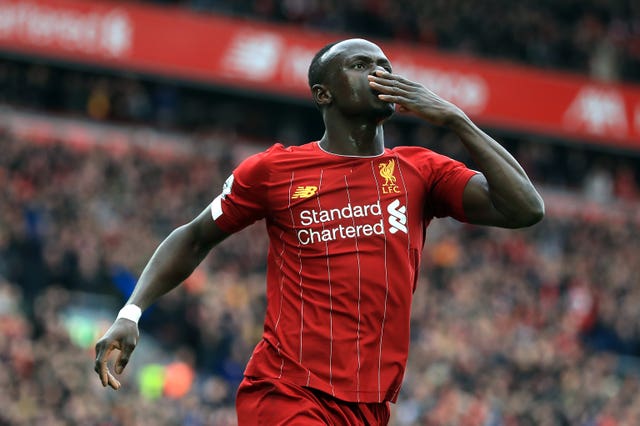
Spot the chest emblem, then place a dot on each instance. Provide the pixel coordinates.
(387, 171)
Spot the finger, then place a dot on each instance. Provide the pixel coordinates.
(113, 382)
(101, 367)
(398, 100)
(124, 356)
(388, 83)
(394, 77)
(103, 371)
(388, 90)
(405, 81)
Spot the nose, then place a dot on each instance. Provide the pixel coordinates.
(377, 68)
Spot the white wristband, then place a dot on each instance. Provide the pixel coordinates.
(131, 312)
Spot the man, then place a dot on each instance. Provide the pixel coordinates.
(346, 220)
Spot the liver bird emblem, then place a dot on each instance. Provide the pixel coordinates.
(386, 171)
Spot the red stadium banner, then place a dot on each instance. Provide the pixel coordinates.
(274, 59)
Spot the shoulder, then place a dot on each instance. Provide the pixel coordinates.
(262, 158)
(424, 157)
(413, 152)
(279, 156)
(278, 150)
(417, 156)
(260, 165)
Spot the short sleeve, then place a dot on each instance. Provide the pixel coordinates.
(244, 195)
(446, 180)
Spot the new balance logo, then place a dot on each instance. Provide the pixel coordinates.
(398, 217)
(304, 192)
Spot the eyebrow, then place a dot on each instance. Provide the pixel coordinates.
(380, 61)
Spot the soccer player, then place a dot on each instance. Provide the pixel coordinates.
(346, 219)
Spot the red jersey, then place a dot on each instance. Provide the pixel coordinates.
(346, 235)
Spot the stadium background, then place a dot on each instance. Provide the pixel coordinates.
(120, 120)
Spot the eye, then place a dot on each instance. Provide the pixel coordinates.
(359, 66)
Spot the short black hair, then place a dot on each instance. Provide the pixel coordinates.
(318, 67)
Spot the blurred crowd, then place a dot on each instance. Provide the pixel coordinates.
(202, 112)
(509, 328)
(600, 38)
(138, 100)
(531, 327)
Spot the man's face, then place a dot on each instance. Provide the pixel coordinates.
(350, 64)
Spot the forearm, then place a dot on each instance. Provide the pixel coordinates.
(510, 189)
(173, 261)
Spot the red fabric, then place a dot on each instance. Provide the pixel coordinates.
(273, 402)
(346, 235)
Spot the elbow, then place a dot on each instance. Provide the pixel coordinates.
(536, 214)
(531, 215)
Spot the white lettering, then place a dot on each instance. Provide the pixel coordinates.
(308, 217)
(309, 236)
(305, 217)
(348, 212)
(93, 32)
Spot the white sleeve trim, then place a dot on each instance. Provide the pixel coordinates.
(216, 207)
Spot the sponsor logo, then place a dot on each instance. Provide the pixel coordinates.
(386, 171)
(92, 32)
(469, 91)
(317, 217)
(117, 33)
(254, 55)
(598, 111)
(397, 217)
(308, 218)
(304, 192)
(310, 236)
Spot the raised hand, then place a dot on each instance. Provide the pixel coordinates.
(413, 97)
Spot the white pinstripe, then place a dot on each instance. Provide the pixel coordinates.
(281, 297)
(293, 223)
(406, 203)
(353, 220)
(386, 295)
(326, 254)
(282, 276)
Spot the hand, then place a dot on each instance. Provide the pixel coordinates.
(122, 335)
(413, 97)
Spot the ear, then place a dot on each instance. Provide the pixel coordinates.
(321, 95)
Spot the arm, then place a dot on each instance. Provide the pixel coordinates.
(502, 195)
(174, 260)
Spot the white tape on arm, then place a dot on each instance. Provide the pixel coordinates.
(131, 312)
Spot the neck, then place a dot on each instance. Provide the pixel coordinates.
(353, 138)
